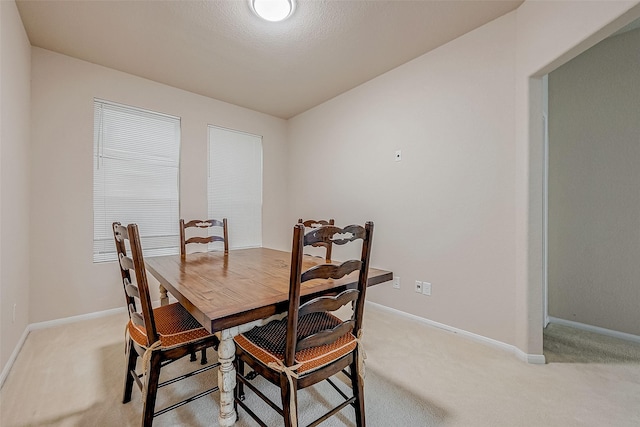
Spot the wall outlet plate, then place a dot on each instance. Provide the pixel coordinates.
(396, 283)
(418, 286)
(426, 288)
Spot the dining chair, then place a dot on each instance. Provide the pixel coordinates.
(313, 223)
(209, 223)
(199, 224)
(311, 344)
(158, 336)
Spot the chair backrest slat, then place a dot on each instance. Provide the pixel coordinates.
(204, 223)
(199, 239)
(315, 223)
(136, 318)
(331, 271)
(197, 223)
(126, 263)
(326, 233)
(333, 235)
(326, 336)
(132, 290)
(328, 303)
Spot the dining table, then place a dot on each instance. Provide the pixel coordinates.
(231, 294)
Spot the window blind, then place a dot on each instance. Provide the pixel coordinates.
(235, 184)
(135, 178)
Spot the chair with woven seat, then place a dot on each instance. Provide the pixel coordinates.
(209, 223)
(159, 336)
(313, 223)
(311, 344)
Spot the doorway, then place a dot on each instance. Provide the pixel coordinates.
(591, 202)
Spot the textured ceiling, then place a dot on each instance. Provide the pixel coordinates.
(220, 49)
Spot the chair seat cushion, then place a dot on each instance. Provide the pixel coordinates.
(174, 325)
(267, 343)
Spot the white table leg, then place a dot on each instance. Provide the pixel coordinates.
(227, 377)
(227, 372)
(164, 297)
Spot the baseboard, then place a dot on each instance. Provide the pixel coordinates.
(534, 359)
(73, 319)
(12, 358)
(596, 329)
(529, 358)
(525, 357)
(51, 324)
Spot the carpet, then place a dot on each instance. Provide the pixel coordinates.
(564, 344)
(72, 375)
(97, 401)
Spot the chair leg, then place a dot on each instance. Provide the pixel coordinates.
(153, 376)
(286, 392)
(203, 358)
(239, 384)
(193, 357)
(132, 357)
(358, 392)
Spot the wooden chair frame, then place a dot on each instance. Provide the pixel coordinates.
(197, 223)
(159, 357)
(204, 240)
(321, 304)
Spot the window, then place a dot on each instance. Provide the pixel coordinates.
(235, 184)
(135, 177)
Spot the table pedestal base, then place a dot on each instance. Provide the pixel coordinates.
(227, 370)
(227, 377)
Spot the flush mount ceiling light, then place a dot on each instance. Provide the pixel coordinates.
(273, 10)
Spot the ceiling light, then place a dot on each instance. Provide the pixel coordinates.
(273, 10)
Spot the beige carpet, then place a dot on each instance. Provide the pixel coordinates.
(564, 344)
(416, 376)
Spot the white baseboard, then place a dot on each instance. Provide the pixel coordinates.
(51, 324)
(596, 329)
(529, 358)
(525, 357)
(73, 319)
(12, 358)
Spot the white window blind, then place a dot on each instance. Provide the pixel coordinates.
(235, 184)
(135, 178)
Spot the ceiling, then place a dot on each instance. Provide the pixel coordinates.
(220, 49)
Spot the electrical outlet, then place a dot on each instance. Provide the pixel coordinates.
(398, 155)
(418, 286)
(396, 283)
(426, 288)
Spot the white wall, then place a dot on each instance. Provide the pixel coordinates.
(64, 280)
(445, 213)
(15, 71)
(594, 180)
(463, 209)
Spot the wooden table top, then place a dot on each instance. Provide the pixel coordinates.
(248, 284)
